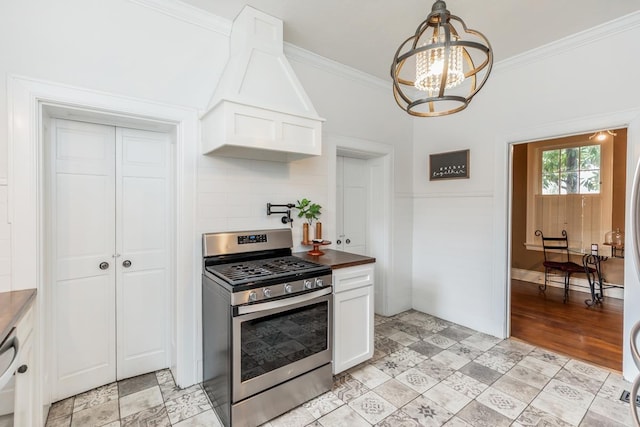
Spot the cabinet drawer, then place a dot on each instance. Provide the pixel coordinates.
(345, 279)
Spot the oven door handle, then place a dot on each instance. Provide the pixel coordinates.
(247, 309)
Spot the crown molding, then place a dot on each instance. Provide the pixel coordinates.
(573, 41)
(295, 53)
(187, 13)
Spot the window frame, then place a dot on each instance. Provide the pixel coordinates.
(534, 188)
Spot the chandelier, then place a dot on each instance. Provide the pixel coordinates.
(602, 135)
(436, 71)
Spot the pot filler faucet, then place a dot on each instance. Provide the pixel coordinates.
(282, 209)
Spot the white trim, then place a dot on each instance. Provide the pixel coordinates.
(577, 284)
(384, 237)
(190, 14)
(476, 194)
(573, 41)
(298, 54)
(25, 99)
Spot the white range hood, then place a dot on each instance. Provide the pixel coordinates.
(259, 109)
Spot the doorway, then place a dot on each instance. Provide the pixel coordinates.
(108, 220)
(352, 201)
(541, 318)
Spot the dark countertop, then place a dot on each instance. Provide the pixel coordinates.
(336, 259)
(13, 305)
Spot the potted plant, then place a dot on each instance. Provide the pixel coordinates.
(309, 211)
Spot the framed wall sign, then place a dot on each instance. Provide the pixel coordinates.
(451, 165)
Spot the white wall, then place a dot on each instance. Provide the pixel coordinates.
(460, 227)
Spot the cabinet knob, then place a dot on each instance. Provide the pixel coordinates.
(339, 242)
(348, 241)
(126, 263)
(22, 369)
(103, 265)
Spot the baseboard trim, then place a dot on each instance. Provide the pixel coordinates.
(577, 284)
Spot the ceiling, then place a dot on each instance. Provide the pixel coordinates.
(364, 34)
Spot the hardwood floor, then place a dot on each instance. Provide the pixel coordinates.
(591, 334)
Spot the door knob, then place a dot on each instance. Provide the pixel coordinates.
(126, 263)
(104, 265)
(339, 242)
(22, 369)
(348, 241)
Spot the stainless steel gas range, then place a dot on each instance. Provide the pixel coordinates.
(266, 323)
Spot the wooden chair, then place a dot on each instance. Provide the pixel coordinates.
(556, 258)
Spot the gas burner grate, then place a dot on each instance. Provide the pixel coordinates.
(248, 271)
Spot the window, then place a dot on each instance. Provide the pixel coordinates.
(573, 170)
(569, 188)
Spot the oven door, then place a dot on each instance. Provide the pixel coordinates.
(278, 340)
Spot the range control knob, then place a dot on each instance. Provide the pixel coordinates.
(308, 284)
(253, 296)
(319, 283)
(267, 292)
(287, 288)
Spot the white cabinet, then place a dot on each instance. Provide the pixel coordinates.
(26, 407)
(20, 398)
(352, 316)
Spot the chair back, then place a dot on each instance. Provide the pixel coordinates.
(557, 245)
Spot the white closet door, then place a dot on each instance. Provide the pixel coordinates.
(83, 232)
(142, 239)
(354, 204)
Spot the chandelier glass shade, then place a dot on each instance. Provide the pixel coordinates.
(439, 69)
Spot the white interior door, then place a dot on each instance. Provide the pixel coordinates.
(142, 241)
(352, 178)
(110, 203)
(83, 230)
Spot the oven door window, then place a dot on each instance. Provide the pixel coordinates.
(276, 340)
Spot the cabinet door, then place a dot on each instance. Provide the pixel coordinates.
(353, 328)
(26, 388)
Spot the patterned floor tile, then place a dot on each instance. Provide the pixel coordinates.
(427, 349)
(574, 395)
(372, 407)
(417, 380)
(135, 384)
(440, 341)
(398, 419)
(540, 366)
(396, 393)
(435, 369)
(171, 391)
(51, 422)
(450, 359)
(62, 408)
(398, 362)
(592, 385)
(95, 397)
(457, 422)
(465, 350)
(97, 415)
(480, 372)
(140, 401)
(403, 338)
(155, 416)
(294, 418)
(164, 376)
(502, 403)
(347, 388)
(615, 410)
(516, 388)
(457, 333)
(447, 397)
(560, 408)
(534, 417)
(369, 375)
(344, 416)
(464, 384)
(481, 341)
(187, 406)
(427, 412)
(496, 360)
(323, 404)
(479, 415)
(613, 386)
(205, 419)
(549, 356)
(587, 369)
(593, 419)
(529, 376)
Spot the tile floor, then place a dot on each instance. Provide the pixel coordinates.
(425, 372)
